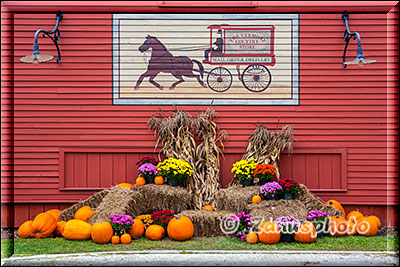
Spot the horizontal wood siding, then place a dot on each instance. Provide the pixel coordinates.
(49, 106)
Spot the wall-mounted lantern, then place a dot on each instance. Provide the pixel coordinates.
(360, 59)
(36, 57)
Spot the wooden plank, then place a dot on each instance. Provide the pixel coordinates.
(69, 170)
(299, 168)
(35, 209)
(119, 167)
(106, 170)
(21, 214)
(93, 170)
(325, 171)
(80, 170)
(312, 171)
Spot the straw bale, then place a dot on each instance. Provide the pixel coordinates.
(164, 197)
(268, 209)
(93, 202)
(207, 223)
(127, 201)
(235, 198)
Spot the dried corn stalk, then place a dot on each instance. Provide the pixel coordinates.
(266, 146)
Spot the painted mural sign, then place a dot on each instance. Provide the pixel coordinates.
(196, 59)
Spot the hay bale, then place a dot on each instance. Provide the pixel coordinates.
(235, 198)
(268, 209)
(207, 223)
(312, 202)
(164, 197)
(93, 201)
(127, 201)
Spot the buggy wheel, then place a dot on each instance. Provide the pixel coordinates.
(256, 78)
(219, 79)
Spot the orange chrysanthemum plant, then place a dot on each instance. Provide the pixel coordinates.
(264, 173)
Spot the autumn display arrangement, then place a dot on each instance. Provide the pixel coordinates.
(180, 197)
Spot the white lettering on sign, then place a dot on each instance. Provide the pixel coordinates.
(242, 59)
(249, 41)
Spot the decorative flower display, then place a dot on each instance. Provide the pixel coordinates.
(121, 222)
(287, 224)
(148, 170)
(176, 168)
(162, 217)
(264, 171)
(289, 186)
(243, 224)
(146, 219)
(147, 160)
(244, 169)
(271, 190)
(316, 215)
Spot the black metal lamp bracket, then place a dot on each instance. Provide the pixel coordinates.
(347, 36)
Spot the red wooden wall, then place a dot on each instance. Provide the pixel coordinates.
(62, 139)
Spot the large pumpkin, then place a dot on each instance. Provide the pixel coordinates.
(306, 233)
(338, 226)
(102, 232)
(337, 205)
(60, 228)
(137, 229)
(367, 227)
(377, 220)
(125, 185)
(25, 230)
(43, 225)
(354, 215)
(268, 233)
(125, 239)
(77, 230)
(155, 232)
(180, 228)
(84, 213)
(55, 213)
(352, 228)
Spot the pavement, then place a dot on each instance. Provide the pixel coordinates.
(210, 258)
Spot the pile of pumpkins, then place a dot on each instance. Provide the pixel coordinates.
(46, 223)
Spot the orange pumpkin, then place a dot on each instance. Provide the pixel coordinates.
(137, 229)
(84, 213)
(102, 232)
(337, 205)
(338, 226)
(256, 199)
(159, 180)
(352, 228)
(25, 230)
(77, 230)
(60, 228)
(251, 238)
(140, 181)
(377, 220)
(367, 227)
(353, 215)
(180, 228)
(268, 233)
(55, 213)
(155, 232)
(126, 239)
(115, 239)
(125, 185)
(43, 225)
(306, 233)
(208, 207)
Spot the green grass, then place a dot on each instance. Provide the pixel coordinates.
(26, 247)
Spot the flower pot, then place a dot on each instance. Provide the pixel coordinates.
(264, 181)
(287, 238)
(321, 228)
(288, 196)
(247, 182)
(173, 182)
(148, 179)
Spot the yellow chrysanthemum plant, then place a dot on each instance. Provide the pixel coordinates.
(175, 171)
(244, 170)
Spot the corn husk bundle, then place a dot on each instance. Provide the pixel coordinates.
(206, 178)
(266, 146)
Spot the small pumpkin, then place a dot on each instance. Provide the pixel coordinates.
(306, 233)
(367, 227)
(60, 228)
(256, 199)
(126, 238)
(77, 230)
(140, 181)
(84, 213)
(334, 203)
(159, 180)
(115, 239)
(353, 215)
(268, 233)
(377, 220)
(352, 228)
(125, 185)
(180, 228)
(338, 226)
(137, 229)
(155, 232)
(251, 238)
(102, 232)
(25, 230)
(43, 225)
(208, 207)
(55, 213)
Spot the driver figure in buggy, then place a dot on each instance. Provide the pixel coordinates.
(217, 46)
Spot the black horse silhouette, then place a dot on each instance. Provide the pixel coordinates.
(163, 61)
